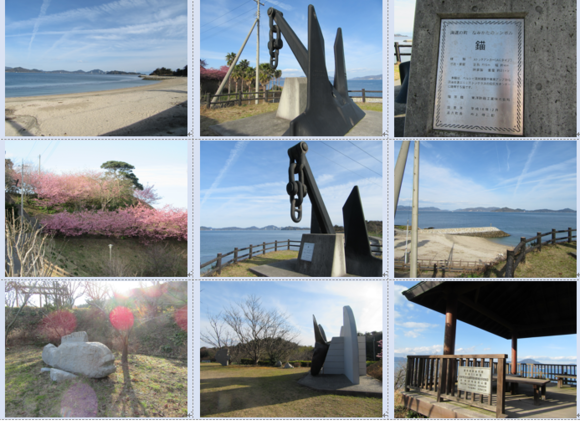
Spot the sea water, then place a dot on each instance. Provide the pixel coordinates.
(213, 242)
(357, 85)
(516, 224)
(401, 40)
(41, 84)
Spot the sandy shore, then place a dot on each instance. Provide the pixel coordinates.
(154, 110)
(465, 248)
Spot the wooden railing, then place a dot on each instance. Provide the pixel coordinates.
(518, 254)
(268, 96)
(442, 267)
(364, 94)
(398, 53)
(437, 375)
(253, 250)
(545, 371)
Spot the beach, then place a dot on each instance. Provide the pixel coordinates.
(154, 110)
(465, 248)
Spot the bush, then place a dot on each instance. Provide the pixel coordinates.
(370, 362)
(264, 363)
(247, 361)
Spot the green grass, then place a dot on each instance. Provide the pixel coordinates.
(242, 269)
(125, 393)
(250, 391)
(370, 106)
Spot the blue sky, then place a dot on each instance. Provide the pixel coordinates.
(516, 174)
(300, 300)
(123, 35)
(420, 331)
(159, 163)
(224, 25)
(243, 183)
(404, 17)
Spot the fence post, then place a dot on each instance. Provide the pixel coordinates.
(266, 95)
(240, 98)
(219, 263)
(209, 100)
(263, 247)
(250, 252)
(553, 236)
(235, 255)
(276, 246)
(523, 239)
(363, 96)
(397, 52)
(539, 239)
(500, 396)
(288, 244)
(509, 266)
(569, 234)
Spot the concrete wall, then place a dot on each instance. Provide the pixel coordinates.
(351, 350)
(294, 98)
(549, 63)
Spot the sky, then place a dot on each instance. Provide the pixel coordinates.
(420, 331)
(522, 174)
(243, 183)
(159, 163)
(300, 300)
(224, 25)
(122, 35)
(404, 17)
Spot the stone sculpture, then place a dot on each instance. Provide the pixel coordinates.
(79, 356)
(223, 356)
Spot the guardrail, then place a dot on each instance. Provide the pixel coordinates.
(545, 371)
(518, 254)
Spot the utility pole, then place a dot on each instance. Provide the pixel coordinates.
(258, 52)
(415, 214)
(22, 191)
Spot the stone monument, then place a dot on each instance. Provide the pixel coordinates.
(483, 69)
(223, 356)
(293, 99)
(77, 355)
(344, 355)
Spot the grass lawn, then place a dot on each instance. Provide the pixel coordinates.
(89, 256)
(553, 261)
(251, 391)
(213, 116)
(151, 387)
(242, 269)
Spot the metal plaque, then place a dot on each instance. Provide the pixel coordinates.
(474, 379)
(480, 76)
(307, 251)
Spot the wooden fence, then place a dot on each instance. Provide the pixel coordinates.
(518, 254)
(268, 96)
(364, 96)
(398, 53)
(442, 267)
(544, 371)
(437, 375)
(253, 250)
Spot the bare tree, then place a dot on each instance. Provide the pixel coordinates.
(257, 328)
(25, 249)
(98, 293)
(16, 297)
(219, 335)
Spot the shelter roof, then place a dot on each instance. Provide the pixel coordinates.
(528, 309)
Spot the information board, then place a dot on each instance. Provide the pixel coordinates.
(480, 76)
(474, 379)
(307, 251)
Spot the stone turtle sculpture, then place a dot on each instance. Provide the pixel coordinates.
(79, 356)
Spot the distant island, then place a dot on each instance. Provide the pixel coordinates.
(488, 209)
(253, 228)
(401, 35)
(369, 77)
(62, 71)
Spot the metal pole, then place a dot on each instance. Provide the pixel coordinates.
(22, 191)
(415, 216)
(258, 52)
(406, 242)
(400, 170)
(225, 80)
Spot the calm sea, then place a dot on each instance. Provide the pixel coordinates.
(216, 241)
(516, 224)
(373, 85)
(40, 84)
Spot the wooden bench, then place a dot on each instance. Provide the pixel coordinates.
(562, 378)
(538, 384)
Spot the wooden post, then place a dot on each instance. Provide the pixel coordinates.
(208, 101)
(263, 247)
(240, 98)
(397, 52)
(500, 399)
(275, 246)
(553, 236)
(450, 324)
(539, 239)
(523, 240)
(288, 244)
(250, 256)
(514, 354)
(509, 266)
(442, 387)
(266, 96)
(569, 234)
(218, 265)
(363, 96)
(235, 255)
(408, 374)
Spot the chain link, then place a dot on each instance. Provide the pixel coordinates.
(296, 189)
(274, 44)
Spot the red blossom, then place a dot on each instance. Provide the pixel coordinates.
(58, 324)
(181, 317)
(121, 318)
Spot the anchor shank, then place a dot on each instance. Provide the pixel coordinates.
(292, 39)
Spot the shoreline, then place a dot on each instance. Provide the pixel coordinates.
(158, 109)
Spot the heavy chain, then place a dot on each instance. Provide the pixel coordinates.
(296, 189)
(274, 44)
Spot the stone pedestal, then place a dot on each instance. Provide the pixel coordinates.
(322, 255)
(294, 98)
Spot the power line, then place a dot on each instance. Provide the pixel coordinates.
(347, 169)
(51, 142)
(31, 150)
(364, 151)
(51, 152)
(219, 17)
(350, 158)
(220, 26)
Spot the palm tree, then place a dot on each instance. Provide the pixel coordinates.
(278, 74)
(237, 75)
(266, 74)
(249, 76)
(229, 59)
